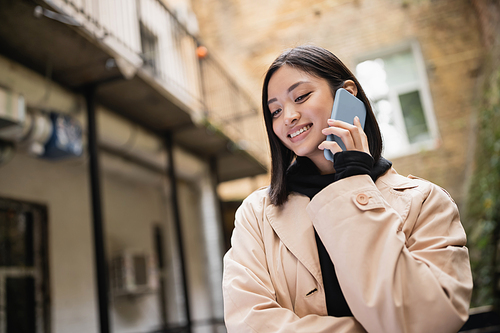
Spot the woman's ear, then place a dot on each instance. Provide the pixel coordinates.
(350, 86)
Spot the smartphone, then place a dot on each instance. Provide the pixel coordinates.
(345, 107)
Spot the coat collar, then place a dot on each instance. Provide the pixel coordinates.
(394, 180)
(295, 229)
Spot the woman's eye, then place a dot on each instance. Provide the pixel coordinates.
(276, 113)
(302, 97)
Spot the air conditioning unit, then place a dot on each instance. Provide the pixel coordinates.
(12, 108)
(133, 273)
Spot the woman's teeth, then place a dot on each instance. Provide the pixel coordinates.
(302, 130)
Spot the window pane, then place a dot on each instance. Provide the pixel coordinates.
(414, 117)
(372, 76)
(20, 299)
(400, 68)
(149, 44)
(140, 270)
(16, 238)
(393, 139)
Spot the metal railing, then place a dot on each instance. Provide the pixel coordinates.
(148, 30)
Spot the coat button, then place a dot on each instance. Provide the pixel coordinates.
(362, 199)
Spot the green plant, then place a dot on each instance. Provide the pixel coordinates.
(483, 206)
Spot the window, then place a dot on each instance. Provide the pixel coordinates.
(396, 84)
(24, 301)
(149, 44)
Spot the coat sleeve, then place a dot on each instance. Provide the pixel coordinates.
(400, 272)
(249, 297)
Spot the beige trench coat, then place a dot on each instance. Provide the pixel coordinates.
(397, 245)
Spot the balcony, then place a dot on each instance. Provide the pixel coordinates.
(142, 61)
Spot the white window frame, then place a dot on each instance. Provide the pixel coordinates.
(421, 85)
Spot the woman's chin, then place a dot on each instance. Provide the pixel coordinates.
(310, 154)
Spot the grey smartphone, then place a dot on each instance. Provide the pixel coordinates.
(345, 107)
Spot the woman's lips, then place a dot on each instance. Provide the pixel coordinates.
(299, 131)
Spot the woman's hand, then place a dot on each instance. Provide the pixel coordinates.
(353, 136)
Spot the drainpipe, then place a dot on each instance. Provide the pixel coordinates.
(95, 185)
(158, 242)
(178, 227)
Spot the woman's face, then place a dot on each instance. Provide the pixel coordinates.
(300, 105)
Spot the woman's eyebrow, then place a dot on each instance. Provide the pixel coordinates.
(295, 85)
(290, 89)
(272, 100)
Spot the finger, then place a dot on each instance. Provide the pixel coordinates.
(340, 123)
(364, 139)
(344, 134)
(358, 134)
(357, 123)
(330, 145)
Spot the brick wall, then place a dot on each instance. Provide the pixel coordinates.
(488, 12)
(248, 35)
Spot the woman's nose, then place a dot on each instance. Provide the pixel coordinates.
(291, 116)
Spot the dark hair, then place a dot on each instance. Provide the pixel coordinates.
(320, 63)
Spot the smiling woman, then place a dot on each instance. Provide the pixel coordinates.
(348, 246)
(322, 69)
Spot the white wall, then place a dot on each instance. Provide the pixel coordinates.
(63, 188)
(131, 207)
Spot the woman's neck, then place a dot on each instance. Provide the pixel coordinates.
(324, 166)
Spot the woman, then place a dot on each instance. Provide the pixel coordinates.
(348, 246)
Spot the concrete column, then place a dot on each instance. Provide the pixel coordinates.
(212, 232)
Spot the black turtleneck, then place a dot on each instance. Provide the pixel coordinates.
(303, 177)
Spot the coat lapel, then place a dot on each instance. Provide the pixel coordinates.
(295, 230)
